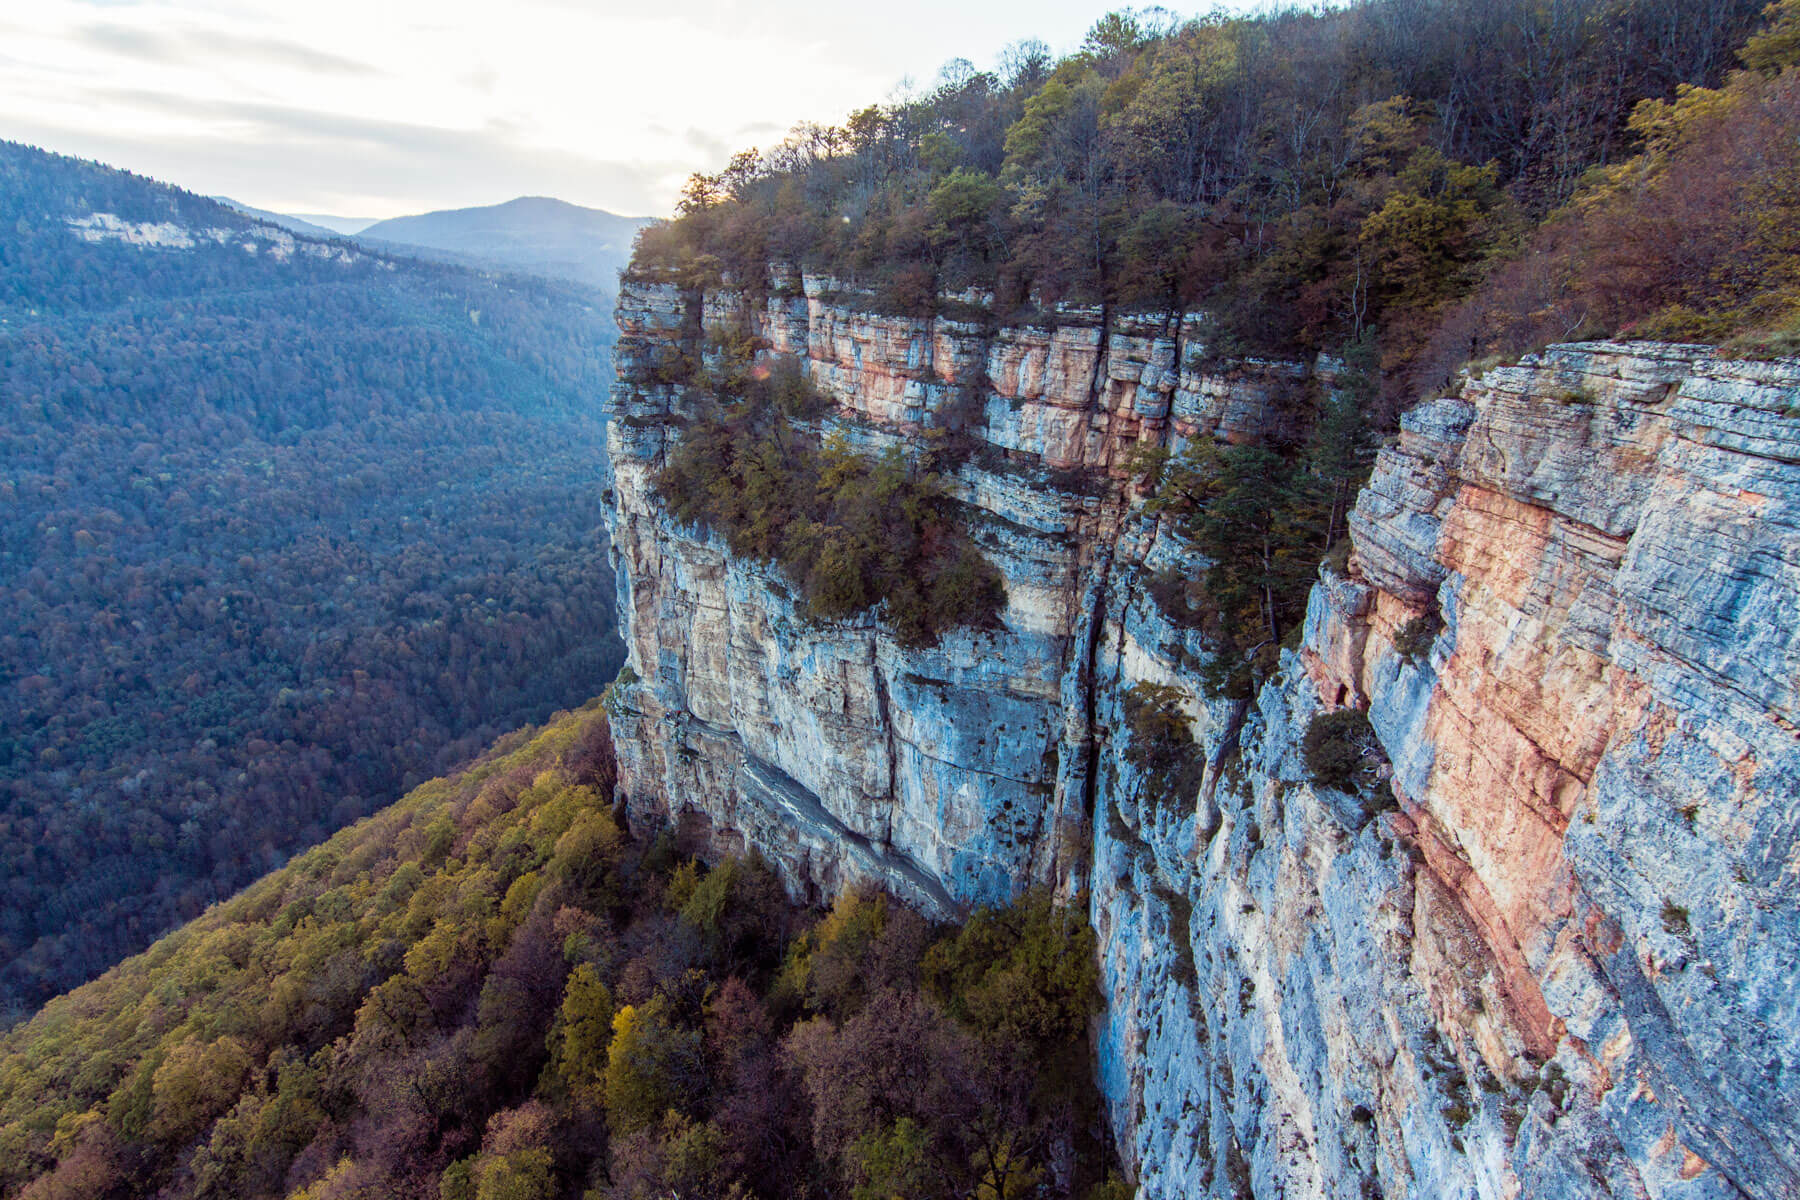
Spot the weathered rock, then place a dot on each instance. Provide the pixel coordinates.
(1558, 956)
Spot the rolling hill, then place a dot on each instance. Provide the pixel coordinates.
(533, 234)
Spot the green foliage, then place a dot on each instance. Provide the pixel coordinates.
(1113, 1188)
(1692, 238)
(579, 1041)
(967, 1087)
(1024, 975)
(653, 1065)
(1262, 516)
(1337, 746)
(241, 1034)
(851, 532)
(1119, 31)
(963, 210)
(891, 1163)
(1162, 743)
(1256, 518)
(726, 909)
(549, 1003)
(679, 1157)
(1413, 640)
(195, 1082)
(1776, 46)
(522, 1175)
(1267, 168)
(789, 390)
(831, 967)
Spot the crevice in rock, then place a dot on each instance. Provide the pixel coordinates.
(1090, 692)
(884, 714)
(1215, 766)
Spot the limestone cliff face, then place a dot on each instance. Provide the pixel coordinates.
(953, 774)
(1563, 958)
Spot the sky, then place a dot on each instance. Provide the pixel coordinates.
(377, 108)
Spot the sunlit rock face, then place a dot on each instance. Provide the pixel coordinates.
(1557, 955)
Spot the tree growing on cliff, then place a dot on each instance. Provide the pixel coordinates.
(1243, 508)
(1162, 742)
(851, 530)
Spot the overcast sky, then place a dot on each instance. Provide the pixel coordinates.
(381, 107)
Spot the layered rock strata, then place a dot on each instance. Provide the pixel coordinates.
(1553, 952)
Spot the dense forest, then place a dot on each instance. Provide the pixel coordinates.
(1309, 178)
(289, 528)
(1393, 190)
(495, 991)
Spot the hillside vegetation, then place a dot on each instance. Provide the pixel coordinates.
(492, 989)
(1393, 190)
(1309, 178)
(289, 528)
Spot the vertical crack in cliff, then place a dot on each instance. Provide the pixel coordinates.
(1215, 766)
(1090, 691)
(884, 714)
(1096, 616)
(1101, 353)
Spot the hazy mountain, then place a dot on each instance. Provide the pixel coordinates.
(535, 234)
(292, 224)
(345, 226)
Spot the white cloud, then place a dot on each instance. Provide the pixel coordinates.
(404, 105)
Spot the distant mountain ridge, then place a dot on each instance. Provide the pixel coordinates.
(342, 226)
(298, 225)
(532, 235)
(535, 234)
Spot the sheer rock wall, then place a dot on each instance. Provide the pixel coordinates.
(1555, 956)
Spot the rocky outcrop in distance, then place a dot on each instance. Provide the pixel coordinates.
(1555, 951)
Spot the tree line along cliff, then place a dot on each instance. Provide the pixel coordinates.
(1453, 180)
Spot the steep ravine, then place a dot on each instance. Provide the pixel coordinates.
(1561, 963)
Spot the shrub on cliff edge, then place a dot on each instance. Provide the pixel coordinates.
(1337, 748)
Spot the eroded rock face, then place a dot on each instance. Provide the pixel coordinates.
(1558, 957)
(963, 764)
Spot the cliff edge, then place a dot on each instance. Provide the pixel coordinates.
(1545, 944)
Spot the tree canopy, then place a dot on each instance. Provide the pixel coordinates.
(286, 534)
(493, 990)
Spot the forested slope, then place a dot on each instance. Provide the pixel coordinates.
(491, 989)
(289, 527)
(1380, 195)
(1312, 180)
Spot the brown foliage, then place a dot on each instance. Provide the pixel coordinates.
(1695, 239)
